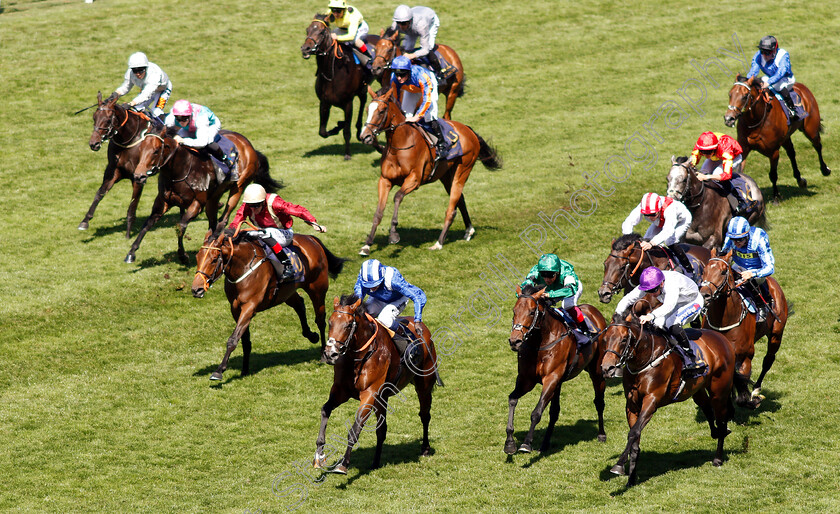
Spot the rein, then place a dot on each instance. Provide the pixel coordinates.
(632, 343)
(346, 343)
(534, 322)
(113, 130)
(716, 294)
(337, 51)
(751, 103)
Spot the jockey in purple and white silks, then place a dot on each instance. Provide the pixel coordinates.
(681, 303)
(153, 82)
(775, 63)
(198, 127)
(752, 259)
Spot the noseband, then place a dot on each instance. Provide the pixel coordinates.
(534, 322)
(718, 289)
(219, 267)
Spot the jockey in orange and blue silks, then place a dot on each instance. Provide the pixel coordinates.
(723, 157)
(418, 84)
(775, 63)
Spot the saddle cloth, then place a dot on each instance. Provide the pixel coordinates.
(227, 146)
(742, 187)
(447, 70)
(449, 133)
(693, 335)
(291, 252)
(785, 109)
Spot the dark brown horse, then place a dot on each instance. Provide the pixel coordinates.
(709, 207)
(724, 311)
(251, 284)
(387, 49)
(762, 125)
(548, 354)
(188, 180)
(367, 367)
(338, 81)
(409, 161)
(625, 263)
(652, 379)
(123, 128)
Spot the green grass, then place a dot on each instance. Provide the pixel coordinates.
(106, 404)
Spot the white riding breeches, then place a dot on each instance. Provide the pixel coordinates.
(386, 313)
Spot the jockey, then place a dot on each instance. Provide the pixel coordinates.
(775, 63)
(348, 26)
(561, 285)
(417, 22)
(669, 221)
(417, 80)
(198, 127)
(753, 259)
(388, 294)
(723, 157)
(274, 216)
(154, 85)
(681, 302)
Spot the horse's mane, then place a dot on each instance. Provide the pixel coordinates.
(389, 32)
(348, 299)
(681, 160)
(530, 289)
(320, 16)
(741, 78)
(626, 240)
(382, 90)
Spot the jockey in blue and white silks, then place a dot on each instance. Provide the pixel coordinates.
(775, 63)
(388, 293)
(752, 258)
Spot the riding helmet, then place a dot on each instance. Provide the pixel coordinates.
(651, 277)
(738, 228)
(768, 44)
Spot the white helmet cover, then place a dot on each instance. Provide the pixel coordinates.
(138, 60)
(254, 193)
(402, 13)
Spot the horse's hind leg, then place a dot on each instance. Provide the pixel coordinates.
(791, 152)
(774, 176)
(774, 341)
(348, 120)
(462, 208)
(384, 188)
(246, 351)
(131, 214)
(702, 401)
(454, 196)
(600, 386)
(813, 135)
(553, 414)
(158, 209)
(423, 386)
(296, 302)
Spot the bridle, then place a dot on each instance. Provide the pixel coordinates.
(112, 129)
(389, 56)
(535, 322)
(718, 290)
(616, 286)
(685, 197)
(341, 347)
(629, 351)
(749, 102)
(321, 48)
(220, 264)
(162, 160)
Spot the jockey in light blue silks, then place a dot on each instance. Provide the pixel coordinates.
(752, 259)
(417, 84)
(775, 63)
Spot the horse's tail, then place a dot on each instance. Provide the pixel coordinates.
(263, 178)
(334, 264)
(487, 154)
(762, 222)
(822, 128)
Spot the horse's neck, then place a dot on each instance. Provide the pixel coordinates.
(366, 329)
(726, 310)
(652, 345)
(246, 254)
(133, 128)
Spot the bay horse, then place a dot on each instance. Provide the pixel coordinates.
(366, 366)
(123, 128)
(409, 161)
(387, 48)
(548, 354)
(623, 266)
(338, 80)
(724, 311)
(188, 180)
(762, 125)
(251, 284)
(652, 372)
(709, 207)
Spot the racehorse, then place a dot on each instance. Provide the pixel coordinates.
(762, 125)
(548, 354)
(251, 284)
(709, 207)
(188, 180)
(387, 49)
(123, 128)
(366, 366)
(624, 265)
(338, 80)
(724, 311)
(409, 160)
(652, 379)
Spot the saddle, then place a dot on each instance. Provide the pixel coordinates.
(452, 139)
(223, 172)
(447, 70)
(292, 253)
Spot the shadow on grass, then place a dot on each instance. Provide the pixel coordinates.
(338, 150)
(261, 361)
(168, 220)
(787, 191)
(412, 237)
(392, 454)
(652, 464)
(563, 436)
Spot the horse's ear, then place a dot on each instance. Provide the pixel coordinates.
(208, 235)
(371, 92)
(518, 290)
(99, 97)
(539, 294)
(728, 254)
(335, 303)
(673, 160)
(382, 33)
(357, 305)
(393, 89)
(714, 252)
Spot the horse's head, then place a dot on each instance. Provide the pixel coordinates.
(105, 122)
(155, 151)
(383, 113)
(527, 313)
(741, 98)
(385, 51)
(679, 178)
(212, 259)
(717, 276)
(343, 323)
(318, 37)
(617, 266)
(619, 346)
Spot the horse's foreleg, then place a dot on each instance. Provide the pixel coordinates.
(324, 118)
(366, 407)
(296, 302)
(243, 321)
(411, 183)
(380, 410)
(522, 387)
(110, 178)
(246, 351)
(384, 188)
(723, 412)
(551, 387)
(635, 436)
(600, 386)
(187, 215)
(791, 153)
(338, 395)
(316, 296)
(455, 193)
(348, 121)
(136, 192)
(158, 209)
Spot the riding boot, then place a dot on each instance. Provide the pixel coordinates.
(218, 153)
(761, 307)
(794, 113)
(435, 64)
(682, 339)
(441, 146)
(415, 356)
(282, 265)
(682, 258)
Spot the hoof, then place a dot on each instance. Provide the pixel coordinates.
(216, 376)
(347, 157)
(83, 225)
(341, 469)
(717, 462)
(436, 246)
(425, 452)
(777, 200)
(365, 250)
(313, 338)
(602, 438)
(756, 394)
(826, 171)
(802, 183)
(525, 448)
(618, 469)
(510, 448)
(129, 259)
(469, 233)
(394, 238)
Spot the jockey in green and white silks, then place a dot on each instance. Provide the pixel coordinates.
(562, 285)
